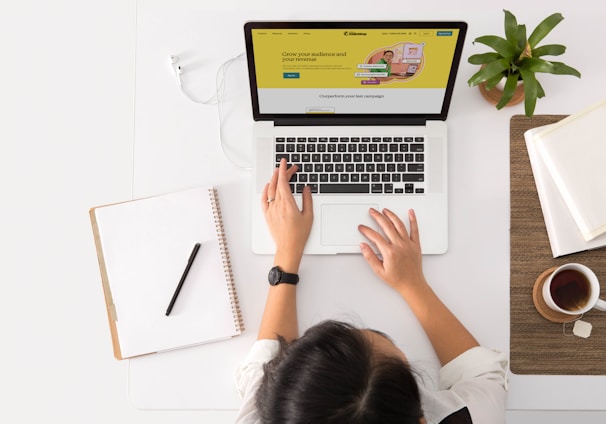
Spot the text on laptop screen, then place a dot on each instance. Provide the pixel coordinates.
(352, 71)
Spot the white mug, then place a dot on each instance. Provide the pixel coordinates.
(573, 289)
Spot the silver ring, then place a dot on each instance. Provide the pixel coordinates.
(271, 199)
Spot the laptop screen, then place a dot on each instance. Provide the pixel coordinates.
(352, 69)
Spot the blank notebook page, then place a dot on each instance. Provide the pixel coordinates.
(146, 246)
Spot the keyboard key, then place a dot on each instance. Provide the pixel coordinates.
(416, 167)
(377, 188)
(413, 177)
(344, 188)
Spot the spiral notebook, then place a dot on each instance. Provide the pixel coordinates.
(143, 247)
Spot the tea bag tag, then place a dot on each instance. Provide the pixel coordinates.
(582, 329)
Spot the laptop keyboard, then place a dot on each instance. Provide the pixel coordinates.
(334, 165)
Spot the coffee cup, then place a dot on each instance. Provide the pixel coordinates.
(573, 289)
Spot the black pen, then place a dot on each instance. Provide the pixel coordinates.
(183, 277)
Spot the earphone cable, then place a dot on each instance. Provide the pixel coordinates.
(220, 92)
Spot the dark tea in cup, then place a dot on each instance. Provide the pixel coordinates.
(573, 289)
(570, 289)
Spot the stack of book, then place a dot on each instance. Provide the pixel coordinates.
(568, 161)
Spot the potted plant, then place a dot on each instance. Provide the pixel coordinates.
(517, 58)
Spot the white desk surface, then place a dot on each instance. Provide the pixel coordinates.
(91, 114)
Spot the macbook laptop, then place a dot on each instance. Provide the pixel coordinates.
(361, 108)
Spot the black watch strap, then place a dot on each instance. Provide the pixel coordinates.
(277, 276)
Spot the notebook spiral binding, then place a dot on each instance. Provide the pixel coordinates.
(229, 276)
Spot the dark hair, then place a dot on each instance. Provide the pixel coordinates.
(332, 375)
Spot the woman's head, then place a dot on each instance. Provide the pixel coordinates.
(388, 55)
(336, 373)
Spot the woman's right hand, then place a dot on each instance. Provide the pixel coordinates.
(289, 226)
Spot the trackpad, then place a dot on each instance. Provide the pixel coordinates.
(340, 224)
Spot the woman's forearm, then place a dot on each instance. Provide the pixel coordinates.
(280, 315)
(447, 334)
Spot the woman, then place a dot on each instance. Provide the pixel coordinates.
(336, 373)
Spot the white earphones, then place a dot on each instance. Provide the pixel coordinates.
(178, 70)
(174, 62)
(220, 79)
(216, 99)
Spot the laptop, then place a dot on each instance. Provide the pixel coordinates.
(361, 108)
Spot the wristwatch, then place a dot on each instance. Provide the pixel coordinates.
(277, 276)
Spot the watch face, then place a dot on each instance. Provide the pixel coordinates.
(277, 276)
(274, 276)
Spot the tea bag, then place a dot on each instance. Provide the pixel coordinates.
(582, 329)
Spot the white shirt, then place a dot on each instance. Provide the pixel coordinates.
(476, 379)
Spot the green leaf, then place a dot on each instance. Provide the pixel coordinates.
(491, 82)
(510, 87)
(489, 71)
(557, 68)
(544, 28)
(540, 91)
(531, 91)
(549, 50)
(483, 58)
(534, 64)
(520, 39)
(498, 44)
(511, 27)
(560, 68)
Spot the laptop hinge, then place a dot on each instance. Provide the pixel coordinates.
(316, 121)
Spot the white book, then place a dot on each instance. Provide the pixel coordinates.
(574, 152)
(564, 234)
